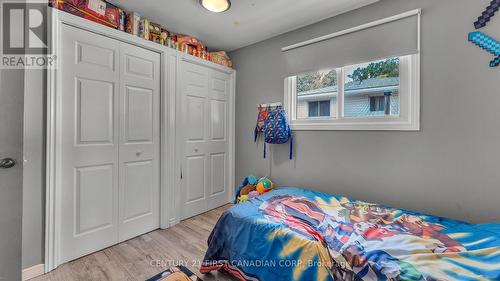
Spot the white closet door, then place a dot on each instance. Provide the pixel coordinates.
(109, 142)
(139, 155)
(219, 88)
(193, 132)
(89, 142)
(204, 142)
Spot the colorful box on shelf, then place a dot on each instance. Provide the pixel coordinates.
(191, 45)
(133, 23)
(110, 15)
(95, 10)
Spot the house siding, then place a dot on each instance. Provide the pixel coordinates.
(354, 106)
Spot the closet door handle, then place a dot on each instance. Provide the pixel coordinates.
(138, 153)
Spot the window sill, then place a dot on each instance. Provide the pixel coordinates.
(396, 125)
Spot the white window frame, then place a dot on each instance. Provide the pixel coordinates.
(409, 98)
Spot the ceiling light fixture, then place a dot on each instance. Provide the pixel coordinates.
(216, 6)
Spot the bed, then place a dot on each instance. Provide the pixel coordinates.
(298, 234)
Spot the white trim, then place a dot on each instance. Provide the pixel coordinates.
(168, 134)
(340, 89)
(355, 29)
(32, 272)
(168, 185)
(232, 133)
(409, 93)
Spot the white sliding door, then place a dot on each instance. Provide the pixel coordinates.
(109, 142)
(139, 141)
(203, 134)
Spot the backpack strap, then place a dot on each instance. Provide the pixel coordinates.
(291, 146)
(256, 133)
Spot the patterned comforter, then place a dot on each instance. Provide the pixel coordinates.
(297, 234)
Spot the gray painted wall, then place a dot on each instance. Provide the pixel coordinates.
(34, 167)
(449, 168)
(11, 128)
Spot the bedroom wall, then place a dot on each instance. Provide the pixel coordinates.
(34, 167)
(449, 168)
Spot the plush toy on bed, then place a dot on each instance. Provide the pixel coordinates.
(252, 187)
(264, 185)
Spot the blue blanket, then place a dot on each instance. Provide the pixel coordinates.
(297, 234)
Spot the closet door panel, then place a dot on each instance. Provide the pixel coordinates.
(218, 119)
(139, 155)
(193, 137)
(94, 111)
(218, 173)
(195, 178)
(139, 115)
(88, 142)
(219, 89)
(138, 187)
(93, 212)
(195, 120)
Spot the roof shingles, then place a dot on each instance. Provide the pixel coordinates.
(356, 85)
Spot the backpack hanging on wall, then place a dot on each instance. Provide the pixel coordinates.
(261, 118)
(276, 129)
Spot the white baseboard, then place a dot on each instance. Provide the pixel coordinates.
(173, 221)
(34, 271)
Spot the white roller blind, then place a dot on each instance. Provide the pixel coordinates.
(390, 37)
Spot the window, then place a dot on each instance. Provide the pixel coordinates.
(368, 86)
(319, 108)
(316, 94)
(377, 104)
(377, 95)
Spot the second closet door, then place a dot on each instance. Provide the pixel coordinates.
(203, 138)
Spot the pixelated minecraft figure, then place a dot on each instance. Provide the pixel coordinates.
(495, 62)
(486, 16)
(487, 43)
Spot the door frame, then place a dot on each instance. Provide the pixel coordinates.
(169, 172)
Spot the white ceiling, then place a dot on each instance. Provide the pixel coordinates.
(247, 22)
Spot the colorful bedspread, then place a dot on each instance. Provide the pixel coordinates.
(296, 234)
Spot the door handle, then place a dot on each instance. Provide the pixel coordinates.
(7, 163)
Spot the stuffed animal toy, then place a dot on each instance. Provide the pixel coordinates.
(264, 185)
(247, 189)
(252, 180)
(252, 187)
(243, 198)
(253, 194)
(243, 184)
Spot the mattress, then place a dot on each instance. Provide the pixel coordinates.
(298, 234)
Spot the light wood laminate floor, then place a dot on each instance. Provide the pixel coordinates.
(143, 257)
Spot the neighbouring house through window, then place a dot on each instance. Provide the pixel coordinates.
(374, 95)
(377, 103)
(319, 108)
